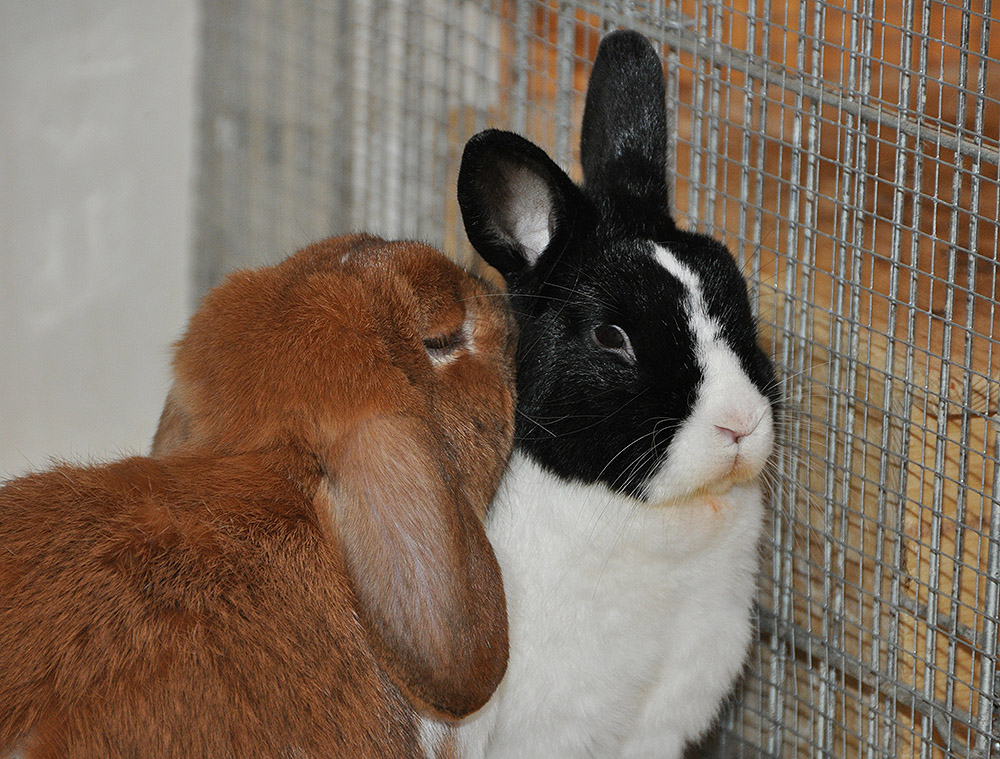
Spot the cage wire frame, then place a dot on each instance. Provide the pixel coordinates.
(847, 152)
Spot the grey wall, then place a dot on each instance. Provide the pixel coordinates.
(96, 161)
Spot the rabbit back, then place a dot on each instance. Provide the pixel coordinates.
(186, 608)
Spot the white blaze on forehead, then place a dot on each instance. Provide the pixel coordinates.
(706, 329)
(702, 455)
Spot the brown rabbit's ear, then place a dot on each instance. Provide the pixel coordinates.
(428, 586)
(174, 428)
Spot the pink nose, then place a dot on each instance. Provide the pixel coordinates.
(734, 435)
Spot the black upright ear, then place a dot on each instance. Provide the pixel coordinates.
(515, 200)
(623, 143)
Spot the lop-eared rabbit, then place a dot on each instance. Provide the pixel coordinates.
(301, 569)
(627, 524)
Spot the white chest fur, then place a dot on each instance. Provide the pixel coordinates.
(628, 622)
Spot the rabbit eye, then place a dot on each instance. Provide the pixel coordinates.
(613, 338)
(441, 347)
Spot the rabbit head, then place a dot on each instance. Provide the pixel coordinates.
(638, 363)
(388, 370)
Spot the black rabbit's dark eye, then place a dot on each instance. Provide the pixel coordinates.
(609, 336)
(613, 338)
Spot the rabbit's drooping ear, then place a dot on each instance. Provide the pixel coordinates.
(623, 142)
(428, 586)
(173, 429)
(515, 200)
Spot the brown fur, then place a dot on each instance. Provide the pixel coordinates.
(302, 564)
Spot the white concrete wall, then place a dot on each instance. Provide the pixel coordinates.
(97, 101)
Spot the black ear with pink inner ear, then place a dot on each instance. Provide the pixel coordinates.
(516, 202)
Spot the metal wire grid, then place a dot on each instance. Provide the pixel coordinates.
(847, 152)
(322, 117)
(868, 658)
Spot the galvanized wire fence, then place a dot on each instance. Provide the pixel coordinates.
(848, 154)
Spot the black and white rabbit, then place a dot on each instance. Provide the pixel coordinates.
(627, 523)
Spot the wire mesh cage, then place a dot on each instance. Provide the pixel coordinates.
(847, 152)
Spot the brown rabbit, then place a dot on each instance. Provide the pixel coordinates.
(302, 568)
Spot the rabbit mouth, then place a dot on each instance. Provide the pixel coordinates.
(742, 466)
(743, 470)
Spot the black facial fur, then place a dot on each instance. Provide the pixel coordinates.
(576, 258)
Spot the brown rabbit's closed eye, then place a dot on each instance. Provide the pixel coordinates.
(441, 346)
(336, 429)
